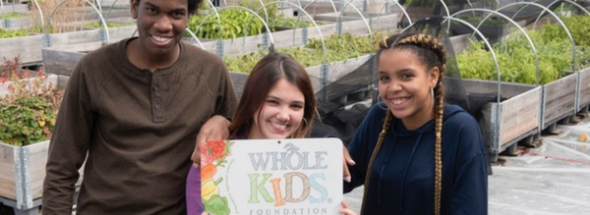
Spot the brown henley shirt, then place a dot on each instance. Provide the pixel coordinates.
(137, 130)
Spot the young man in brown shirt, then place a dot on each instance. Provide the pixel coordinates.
(133, 109)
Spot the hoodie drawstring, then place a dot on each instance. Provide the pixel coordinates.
(379, 190)
(406, 170)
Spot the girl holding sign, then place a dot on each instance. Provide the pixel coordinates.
(413, 153)
(278, 102)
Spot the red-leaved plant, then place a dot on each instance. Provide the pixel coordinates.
(28, 112)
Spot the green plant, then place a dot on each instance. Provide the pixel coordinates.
(352, 45)
(28, 113)
(338, 48)
(475, 62)
(110, 25)
(282, 21)
(11, 16)
(306, 57)
(579, 27)
(233, 24)
(516, 59)
(9, 33)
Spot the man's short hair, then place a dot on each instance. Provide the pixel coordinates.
(193, 5)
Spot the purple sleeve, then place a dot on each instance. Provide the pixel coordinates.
(193, 191)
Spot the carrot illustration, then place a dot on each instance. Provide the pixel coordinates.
(208, 171)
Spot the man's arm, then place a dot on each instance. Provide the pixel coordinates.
(68, 147)
(217, 127)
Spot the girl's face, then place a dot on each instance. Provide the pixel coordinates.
(404, 85)
(280, 114)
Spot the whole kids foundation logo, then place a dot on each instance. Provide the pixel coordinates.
(256, 177)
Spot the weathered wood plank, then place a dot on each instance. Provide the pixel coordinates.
(559, 98)
(27, 47)
(334, 17)
(558, 108)
(19, 23)
(15, 8)
(282, 39)
(460, 42)
(62, 59)
(336, 71)
(239, 80)
(86, 36)
(8, 176)
(62, 81)
(509, 90)
(321, 7)
(207, 45)
(34, 158)
(37, 158)
(520, 115)
(294, 37)
(377, 21)
(584, 98)
(354, 24)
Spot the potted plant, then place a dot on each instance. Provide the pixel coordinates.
(27, 116)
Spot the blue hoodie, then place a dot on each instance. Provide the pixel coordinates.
(402, 179)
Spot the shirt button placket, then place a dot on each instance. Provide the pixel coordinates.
(157, 109)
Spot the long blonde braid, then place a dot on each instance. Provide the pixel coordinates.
(386, 124)
(429, 43)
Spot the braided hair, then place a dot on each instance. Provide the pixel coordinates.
(431, 53)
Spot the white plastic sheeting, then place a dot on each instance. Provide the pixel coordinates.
(551, 179)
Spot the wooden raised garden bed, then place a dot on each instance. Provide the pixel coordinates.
(17, 23)
(513, 119)
(29, 47)
(62, 59)
(23, 169)
(354, 24)
(283, 39)
(15, 8)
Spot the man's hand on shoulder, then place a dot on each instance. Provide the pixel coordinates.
(216, 128)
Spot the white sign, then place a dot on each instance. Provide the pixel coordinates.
(279, 177)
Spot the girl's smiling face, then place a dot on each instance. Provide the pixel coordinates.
(405, 85)
(281, 113)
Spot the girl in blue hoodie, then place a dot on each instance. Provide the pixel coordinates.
(413, 153)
